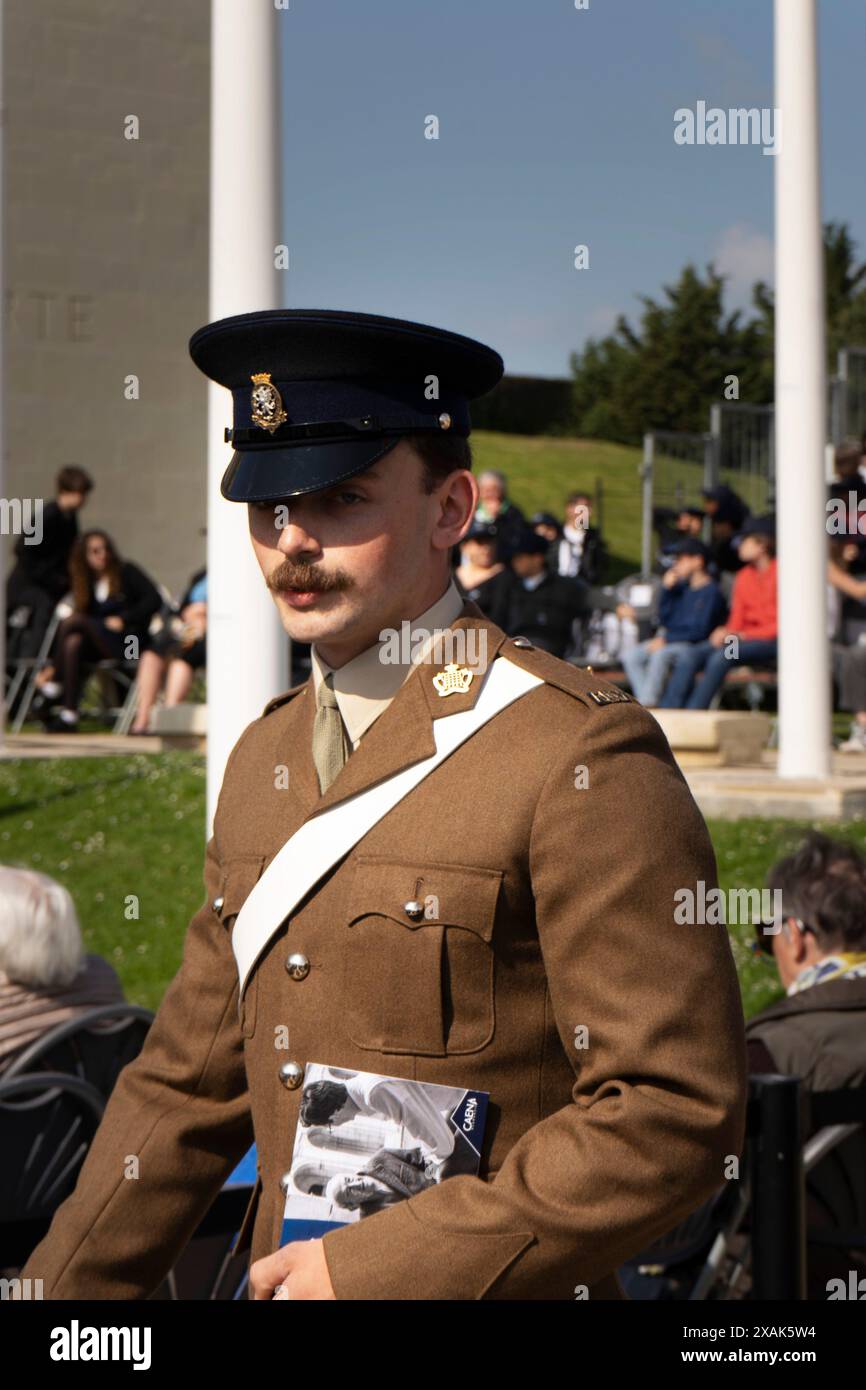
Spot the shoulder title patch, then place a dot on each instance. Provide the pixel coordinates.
(610, 695)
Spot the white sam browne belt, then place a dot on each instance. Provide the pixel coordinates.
(322, 841)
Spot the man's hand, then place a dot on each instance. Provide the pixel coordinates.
(115, 622)
(718, 636)
(300, 1267)
(655, 644)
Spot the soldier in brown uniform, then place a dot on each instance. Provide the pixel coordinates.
(541, 812)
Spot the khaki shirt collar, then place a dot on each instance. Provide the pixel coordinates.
(366, 685)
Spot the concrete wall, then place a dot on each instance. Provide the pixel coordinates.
(106, 264)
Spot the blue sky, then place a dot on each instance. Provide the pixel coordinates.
(556, 128)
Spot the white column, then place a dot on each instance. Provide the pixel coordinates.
(801, 402)
(247, 650)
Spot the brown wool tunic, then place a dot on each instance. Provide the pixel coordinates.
(556, 915)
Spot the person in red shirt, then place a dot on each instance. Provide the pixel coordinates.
(750, 634)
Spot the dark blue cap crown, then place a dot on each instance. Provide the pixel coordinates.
(319, 394)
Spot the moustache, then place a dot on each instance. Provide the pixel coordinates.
(306, 579)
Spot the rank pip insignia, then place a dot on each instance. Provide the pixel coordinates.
(454, 680)
(267, 403)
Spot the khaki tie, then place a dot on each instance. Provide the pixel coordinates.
(330, 739)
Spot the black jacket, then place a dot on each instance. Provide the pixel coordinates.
(492, 597)
(47, 565)
(136, 603)
(545, 614)
(593, 559)
(819, 1034)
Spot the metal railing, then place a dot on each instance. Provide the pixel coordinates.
(848, 396)
(676, 467)
(739, 449)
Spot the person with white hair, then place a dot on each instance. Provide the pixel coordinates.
(45, 976)
(496, 508)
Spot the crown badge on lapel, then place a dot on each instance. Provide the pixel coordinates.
(454, 680)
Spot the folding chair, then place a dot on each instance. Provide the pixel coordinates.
(78, 1048)
(35, 664)
(48, 1121)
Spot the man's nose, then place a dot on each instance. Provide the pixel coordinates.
(296, 537)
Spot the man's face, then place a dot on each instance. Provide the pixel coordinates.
(492, 495)
(527, 565)
(345, 563)
(847, 465)
(749, 549)
(687, 565)
(578, 512)
(481, 554)
(793, 951)
(688, 524)
(71, 501)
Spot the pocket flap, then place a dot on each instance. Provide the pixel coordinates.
(240, 875)
(453, 895)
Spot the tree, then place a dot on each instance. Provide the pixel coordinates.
(666, 373)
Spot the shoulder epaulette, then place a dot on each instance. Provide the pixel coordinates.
(283, 699)
(578, 681)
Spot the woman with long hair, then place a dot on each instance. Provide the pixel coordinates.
(113, 602)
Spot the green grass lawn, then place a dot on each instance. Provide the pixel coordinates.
(110, 828)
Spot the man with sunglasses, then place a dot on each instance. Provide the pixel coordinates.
(818, 1030)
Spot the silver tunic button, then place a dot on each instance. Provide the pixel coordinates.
(298, 966)
(414, 909)
(291, 1075)
(521, 642)
(217, 904)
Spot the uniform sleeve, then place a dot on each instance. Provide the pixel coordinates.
(181, 1112)
(658, 1099)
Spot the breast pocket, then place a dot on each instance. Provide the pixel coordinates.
(240, 876)
(420, 982)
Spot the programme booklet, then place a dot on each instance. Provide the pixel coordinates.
(365, 1141)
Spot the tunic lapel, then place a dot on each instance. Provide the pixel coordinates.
(403, 735)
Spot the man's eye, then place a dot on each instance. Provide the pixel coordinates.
(348, 496)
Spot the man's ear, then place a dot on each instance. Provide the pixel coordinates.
(458, 497)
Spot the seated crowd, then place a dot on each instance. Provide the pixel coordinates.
(106, 609)
(709, 608)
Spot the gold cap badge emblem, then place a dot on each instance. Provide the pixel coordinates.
(454, 680)
(267, 403)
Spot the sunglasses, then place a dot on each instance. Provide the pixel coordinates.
(767, 928)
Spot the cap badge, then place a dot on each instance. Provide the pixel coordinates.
(267, 403)
(454, 680)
